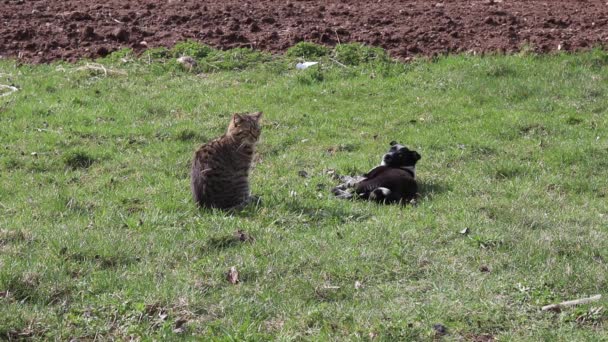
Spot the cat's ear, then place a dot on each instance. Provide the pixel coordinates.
(257, 116)
(237, 119)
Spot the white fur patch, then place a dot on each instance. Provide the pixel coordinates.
(385, 191)
(382, 162)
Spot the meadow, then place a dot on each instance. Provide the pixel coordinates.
(100, 238)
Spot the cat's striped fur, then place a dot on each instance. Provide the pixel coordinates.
(220, 169)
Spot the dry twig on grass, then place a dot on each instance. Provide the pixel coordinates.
(99, 67)
(558, 307)
(340, 64)
(11, 89)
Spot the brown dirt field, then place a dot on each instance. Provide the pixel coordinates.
(45, 30)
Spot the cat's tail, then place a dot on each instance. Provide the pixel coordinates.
(196, 195)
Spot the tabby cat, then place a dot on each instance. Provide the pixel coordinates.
(220, 169)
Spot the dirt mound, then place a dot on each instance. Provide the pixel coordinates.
(42, 31)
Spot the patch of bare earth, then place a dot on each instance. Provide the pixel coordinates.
(43, 31)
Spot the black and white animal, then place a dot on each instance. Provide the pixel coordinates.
(394, 180)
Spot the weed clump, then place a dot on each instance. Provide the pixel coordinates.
(234, 59)
(311, 75)
(191, 48)
(119, 55)
(187, 135)
(356, 54)
(307, 50)
(597, 59)
(22, 287)
(227, 241)
(500, 70)
(10, 164)
(156, 53)
(78, 160)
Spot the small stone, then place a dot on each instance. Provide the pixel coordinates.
(143, 43)
(243, 236)
(103, 51)
(187, 61)
(489, 21)
(254, 27)
(179, 326)
(232, 275)
(79, 16)
(121, 34)
(440, 329)
(88, 32)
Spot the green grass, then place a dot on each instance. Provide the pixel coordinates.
(99, 236)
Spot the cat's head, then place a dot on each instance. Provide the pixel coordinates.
(245, 127)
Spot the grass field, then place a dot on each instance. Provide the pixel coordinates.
(99, 237)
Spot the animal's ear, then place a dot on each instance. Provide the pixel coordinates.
(257, 116)
(393, 143)
(237, 119)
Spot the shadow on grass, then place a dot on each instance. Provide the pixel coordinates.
(102, 261)
(323, 214)
(299, 211)
(226, 241)
(428, 190)
(30, 287)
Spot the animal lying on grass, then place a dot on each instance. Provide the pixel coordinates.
(393, 181)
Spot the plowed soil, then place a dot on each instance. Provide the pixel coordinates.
(46, 30)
